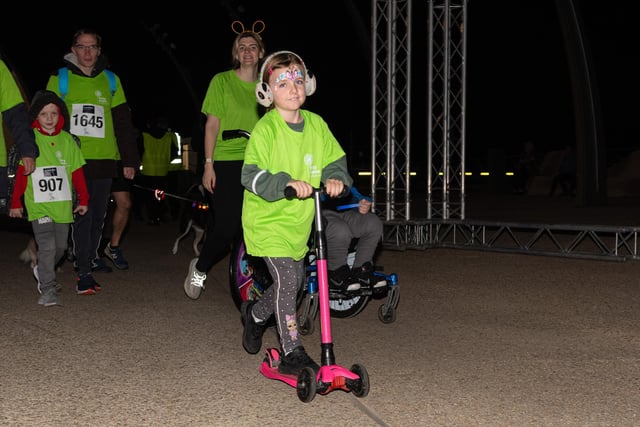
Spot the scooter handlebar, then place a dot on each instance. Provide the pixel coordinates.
(290, 192)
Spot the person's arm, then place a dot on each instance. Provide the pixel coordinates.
(19, 187)
(126, 137)
(17, 120)
(337, 170)
(263, 183)
(211, 129)
(80, 185)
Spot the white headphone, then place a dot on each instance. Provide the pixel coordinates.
(263, 91)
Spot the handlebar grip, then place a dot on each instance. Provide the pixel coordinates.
(290, 193)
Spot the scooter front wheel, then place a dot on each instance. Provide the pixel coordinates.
(306, 386)
(359, 387)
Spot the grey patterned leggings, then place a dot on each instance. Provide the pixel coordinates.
(281, 299)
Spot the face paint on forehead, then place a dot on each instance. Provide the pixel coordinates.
(291, 74)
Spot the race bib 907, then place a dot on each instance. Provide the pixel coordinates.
(50, 184)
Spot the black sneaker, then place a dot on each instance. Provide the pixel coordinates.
(296, 361)
(365, 277)
(86, 285)
(340, 280)
(253, 331)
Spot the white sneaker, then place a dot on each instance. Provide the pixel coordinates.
(37, 277)
(194, 283)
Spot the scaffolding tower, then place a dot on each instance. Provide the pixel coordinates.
(391, 113)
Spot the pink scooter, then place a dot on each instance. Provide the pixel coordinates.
(330, 376)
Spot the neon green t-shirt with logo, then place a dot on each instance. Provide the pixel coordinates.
(233, 101)
(281, 228)
(89, 102)
(49, 189)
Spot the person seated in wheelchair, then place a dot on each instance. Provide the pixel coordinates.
(346, 219)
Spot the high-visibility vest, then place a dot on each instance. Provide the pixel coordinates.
(157, 154)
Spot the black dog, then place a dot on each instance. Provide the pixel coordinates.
(193, 216)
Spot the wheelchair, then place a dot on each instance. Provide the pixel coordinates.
(249, 278)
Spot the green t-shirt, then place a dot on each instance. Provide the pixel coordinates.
(10, 96)
(89, 102)
(281, 228)
(233, 101)
(59, 157)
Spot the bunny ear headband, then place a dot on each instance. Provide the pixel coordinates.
(257, 27)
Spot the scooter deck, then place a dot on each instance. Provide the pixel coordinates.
(273, 373)
(269, 368)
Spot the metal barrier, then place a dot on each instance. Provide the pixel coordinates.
(599, 242)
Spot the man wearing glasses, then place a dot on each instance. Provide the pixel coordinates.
(101, 118)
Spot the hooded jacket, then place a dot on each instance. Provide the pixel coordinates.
(45, 97)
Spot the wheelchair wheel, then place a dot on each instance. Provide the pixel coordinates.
(342, 308)
(247, 279)
(387, 317)
(249, 276)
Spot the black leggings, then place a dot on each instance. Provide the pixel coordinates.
(225, 211)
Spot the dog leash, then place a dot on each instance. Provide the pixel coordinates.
(161, 194)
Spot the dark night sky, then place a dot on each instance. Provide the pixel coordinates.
(517, 76)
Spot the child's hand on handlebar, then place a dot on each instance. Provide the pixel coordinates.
(333, 187)
(303, 189)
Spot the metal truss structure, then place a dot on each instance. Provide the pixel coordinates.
(445, 225)
(391, 115)
(391, 97)
(446, 106)
(571, 241)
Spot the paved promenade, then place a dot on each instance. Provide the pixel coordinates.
(481, 339)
